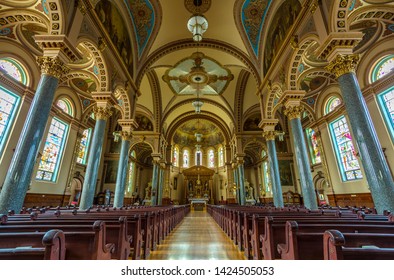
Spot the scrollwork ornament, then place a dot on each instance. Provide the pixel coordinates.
(294, 112)
(102, 113)
(343, 64)
(52, 66)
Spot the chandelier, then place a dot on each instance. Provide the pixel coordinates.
(197, 104)
(197, 25)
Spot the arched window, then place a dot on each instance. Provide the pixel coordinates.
(84, 146)
(344, 150)
(66, 106)
(198, 157)
(386, 104)
(8, 106)
(313, 146)
(53, 151)
(186, 158)
(331, 104)
(132, 170)
(383, 67)
(221, 156)
(175, 159)
(211, 158)
(13, 69)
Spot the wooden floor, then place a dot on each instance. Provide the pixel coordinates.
(197, 237)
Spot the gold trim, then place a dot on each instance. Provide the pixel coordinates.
(269, 135)
(52, 66)
(102, 113)
(343, 64)
(294, 112)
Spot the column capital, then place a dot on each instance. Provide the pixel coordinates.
(269, 135)
(52, 66)
(126, 135)
(294, 112)
(343, 64)
(102, 113)
(105, 101)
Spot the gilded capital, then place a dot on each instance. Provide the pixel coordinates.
(269, 135)
(294, 112)
(126, 136)
(102, 113)
(343, 64)
(52, 66)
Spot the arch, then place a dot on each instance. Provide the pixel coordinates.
(14, 69)
(100, 62)
(275, 92)
(382, 67)
(207, 116)
(66, 105)
(206, 43)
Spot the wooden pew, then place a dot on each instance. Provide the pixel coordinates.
(275, 230)
(48, 245)
(357, 246)
(305, 241)
(83, 242)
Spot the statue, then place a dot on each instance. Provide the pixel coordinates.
(148, 191)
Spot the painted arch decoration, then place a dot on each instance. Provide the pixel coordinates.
(142, 15)
(253, 14)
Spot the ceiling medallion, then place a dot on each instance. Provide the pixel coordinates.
(198, 74)
(197, 6)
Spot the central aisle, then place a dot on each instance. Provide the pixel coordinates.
(197, 237)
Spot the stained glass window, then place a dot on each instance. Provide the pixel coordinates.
(186, 158)
(386, 102)
(383, 67)
(65, 105)
(313, 146)
(14, 69)
(83, 146)
(175, 159)
(8, 104)
(221, 157)
(331, 104)
(344, 149)
(198, 157)
(53, 150)
(211, 158)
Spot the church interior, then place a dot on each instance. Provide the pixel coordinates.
(199, 111)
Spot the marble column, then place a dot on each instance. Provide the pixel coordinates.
(236, 181)
(160, 186)
(155, 181)
(241, 176)
(274, 168)
(293, 113)
(122, 169)
(376, 169)
(20, 171)
(96, 146)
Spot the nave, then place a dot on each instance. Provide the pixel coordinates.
(197, 237)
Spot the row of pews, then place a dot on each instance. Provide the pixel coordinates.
(99, 233)
(294, 233)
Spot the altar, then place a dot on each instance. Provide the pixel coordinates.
(198, 204)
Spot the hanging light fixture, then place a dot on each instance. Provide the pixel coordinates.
(197, 104)
(197, 25)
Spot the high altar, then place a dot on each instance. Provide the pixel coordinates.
(198, 185)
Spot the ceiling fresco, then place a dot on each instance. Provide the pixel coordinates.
(185, 135)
